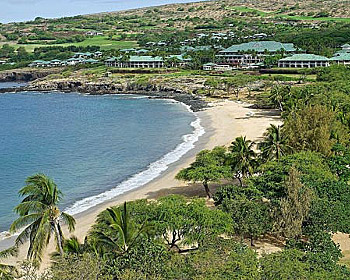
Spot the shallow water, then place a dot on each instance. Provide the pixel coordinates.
(94, 147)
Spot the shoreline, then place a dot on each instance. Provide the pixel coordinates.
(222, 122)
(186, 148)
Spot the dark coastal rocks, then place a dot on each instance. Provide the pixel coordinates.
(25, 75)
(195, 102)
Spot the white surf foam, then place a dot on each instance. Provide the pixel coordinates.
(142, 178)
(153, 171)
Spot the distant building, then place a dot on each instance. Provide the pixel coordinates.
(216, 67)
(146, 61)
(39, 63)
(94, 33)
(346, 47)
(87, 55)
(341, 58)
(253, 52)
(59, 63)
(304, 61)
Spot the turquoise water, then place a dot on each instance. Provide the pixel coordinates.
(94, 147)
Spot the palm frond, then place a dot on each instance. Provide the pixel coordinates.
(68, 220)
(10, 252)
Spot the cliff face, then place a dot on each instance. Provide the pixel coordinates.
(108, 87)
(26, 75)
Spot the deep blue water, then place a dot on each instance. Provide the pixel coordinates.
(87, 144)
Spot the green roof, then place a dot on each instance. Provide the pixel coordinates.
(260, 46)
(145, 58)
(90, 60)
(209, 64)
(305, 57)
(345, 46)
(197, 48)
(341, 57)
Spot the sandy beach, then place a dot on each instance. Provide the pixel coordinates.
(223, 122)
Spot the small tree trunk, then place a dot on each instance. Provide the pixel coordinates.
(240, 181)
(59, 239)
(207, 190)
(252, 241)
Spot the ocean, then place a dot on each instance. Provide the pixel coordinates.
(94, 147)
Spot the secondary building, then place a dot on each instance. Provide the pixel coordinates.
(304, 61)
(217, 67)
(253, 52)
(147, 61)
(341, 58)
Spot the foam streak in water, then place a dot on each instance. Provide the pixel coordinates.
(144, 177)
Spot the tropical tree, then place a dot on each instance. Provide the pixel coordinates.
(183, 224)
(116, 232)
(8, 272)
(274, 145)
(209, 166)
(242, 158)
(39, 214)
(278, 95)
(314, 128)
(294, 208)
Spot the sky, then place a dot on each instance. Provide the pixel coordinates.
(22, 10)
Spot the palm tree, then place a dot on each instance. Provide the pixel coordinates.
(40, 216)
(274, 145)
(8, 272)
(122, 232)
(242, 158)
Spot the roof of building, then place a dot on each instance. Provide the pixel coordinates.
(341, 57)
(90, 60)
(128, 50)
(345, 46)
(197, 48)
(210, 64)
(261, 46)
(305, 57)
(80, 53)
(39, 61)
(147, 58)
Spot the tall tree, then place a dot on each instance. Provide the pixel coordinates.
(242, 158)
(39, 214)
(250, 217)
(295, 207)
(274, 145)
(209, 166)
(314, 128)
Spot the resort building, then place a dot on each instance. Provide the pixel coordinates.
(341, 58)
(147, 61)
(304, 61)
(253, 52)
(217, 67)
(346, 47)
(60, 63)
(94, 33)
(87, 55)
(135, 51)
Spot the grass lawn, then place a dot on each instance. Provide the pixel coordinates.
(250, 10)
(295, 77)
(101, 41)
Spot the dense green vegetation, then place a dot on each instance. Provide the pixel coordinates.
(290, 191)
